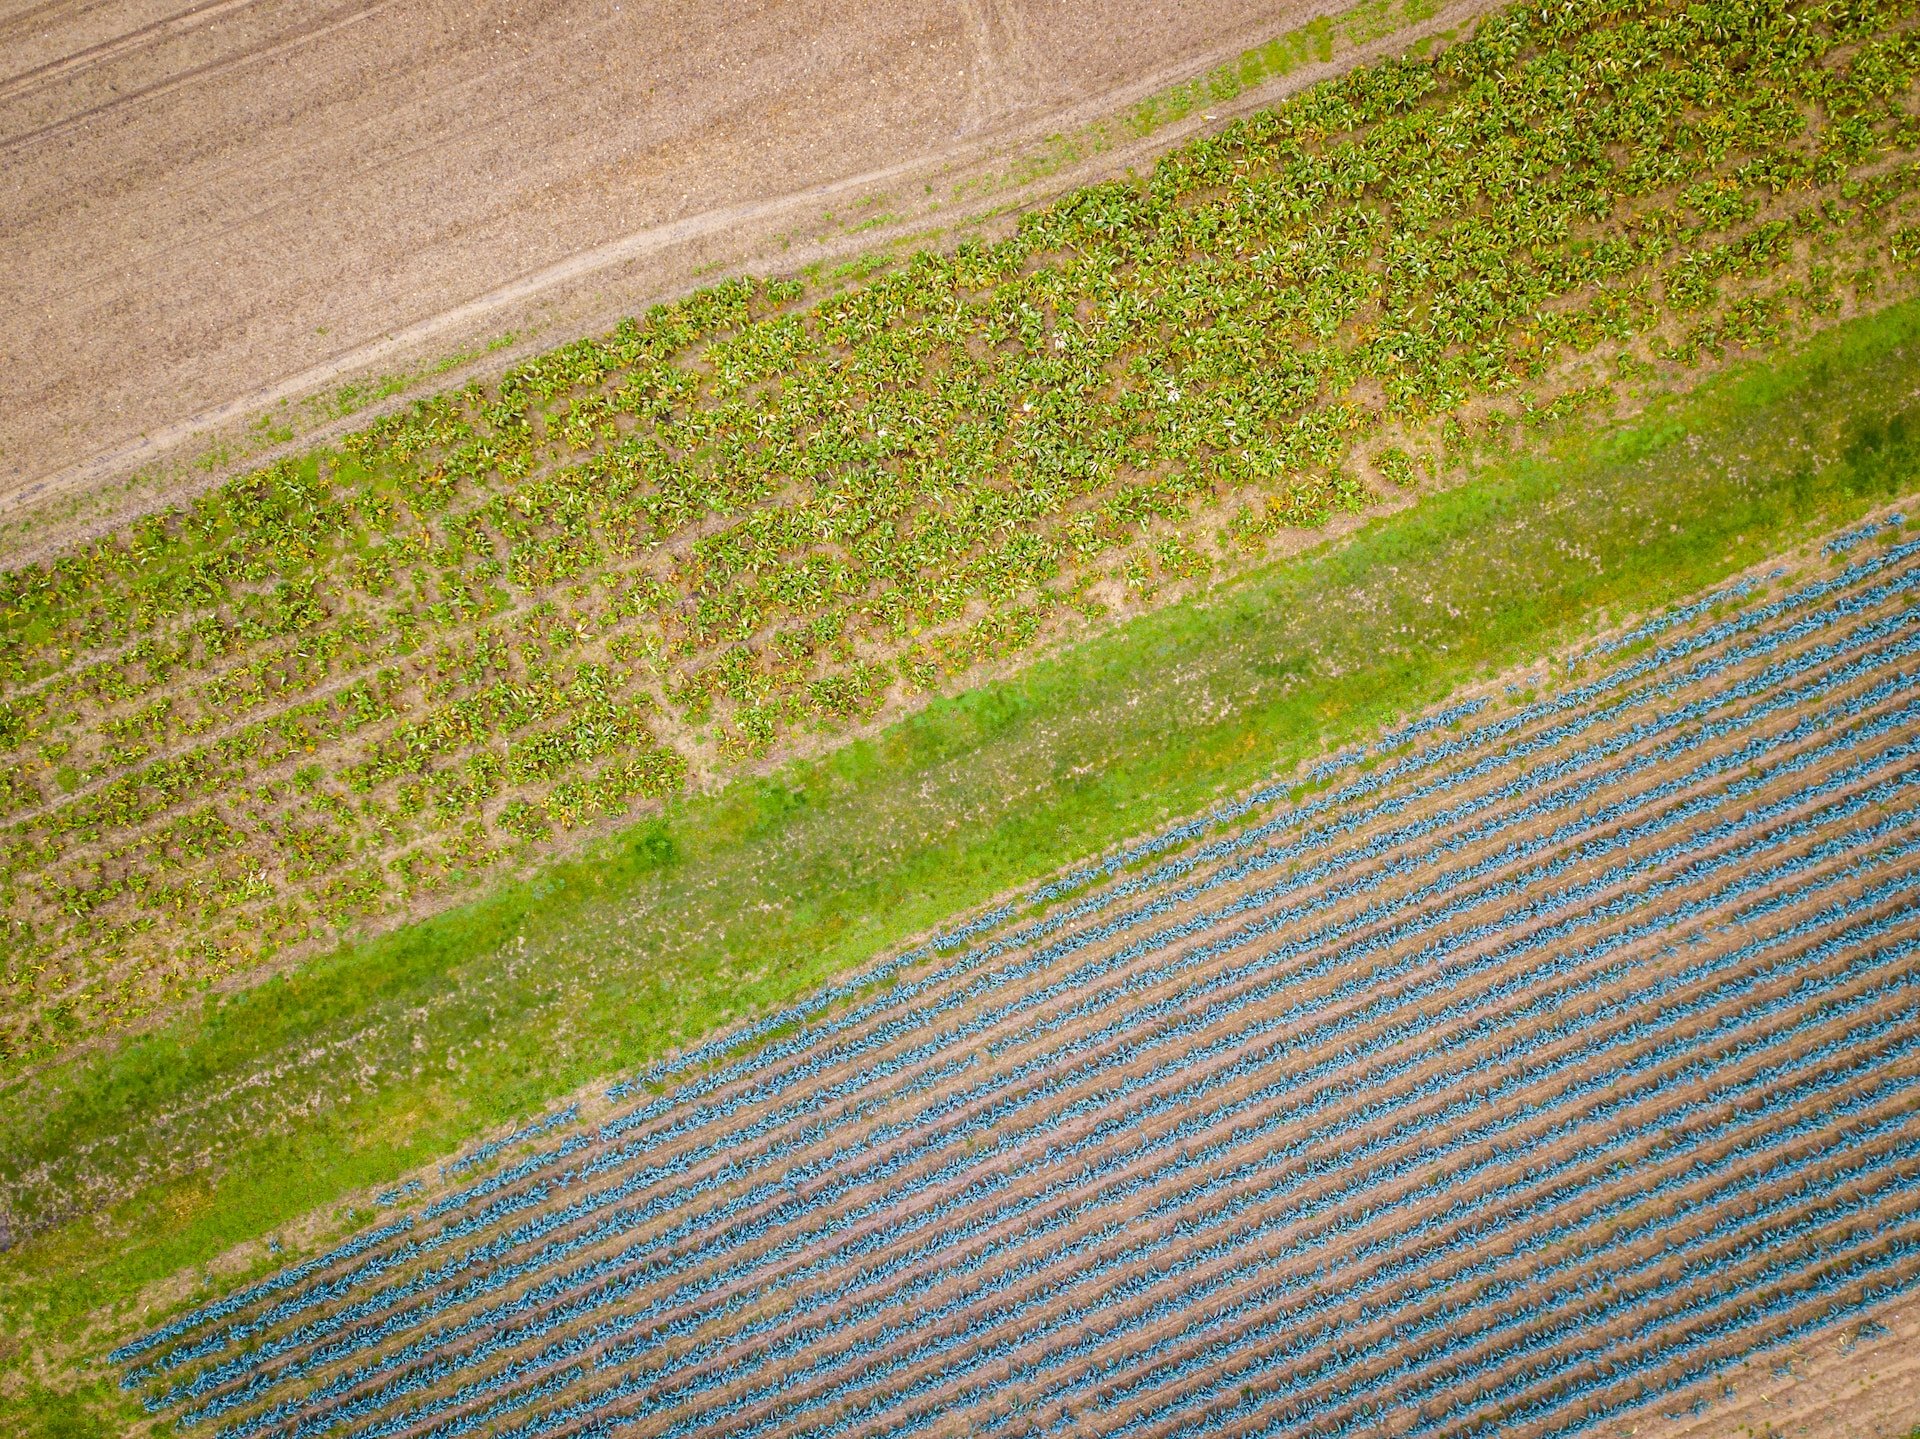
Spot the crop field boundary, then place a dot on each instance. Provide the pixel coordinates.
(1837, 1386)
(988, 178)
(1753, 462)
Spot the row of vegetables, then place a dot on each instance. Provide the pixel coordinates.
(1655, 936)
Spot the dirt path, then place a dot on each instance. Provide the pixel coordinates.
(208, 213)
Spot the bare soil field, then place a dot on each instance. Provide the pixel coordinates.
(1547, 1064)
(1839, 1385)
(208, 211)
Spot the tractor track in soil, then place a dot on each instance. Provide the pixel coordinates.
(376, 187)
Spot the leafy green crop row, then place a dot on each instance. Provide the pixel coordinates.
(364, 681)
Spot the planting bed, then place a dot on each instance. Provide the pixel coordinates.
(1543, 1064)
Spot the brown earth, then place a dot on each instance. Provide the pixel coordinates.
(209, 211)
(1837, 1384)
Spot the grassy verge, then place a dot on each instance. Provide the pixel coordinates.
(292, 1095)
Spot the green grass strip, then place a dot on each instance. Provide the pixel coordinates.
(745, 899)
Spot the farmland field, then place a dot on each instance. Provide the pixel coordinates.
(1251, 767)
(361, 174)
(358, 686)
(1544, 1061)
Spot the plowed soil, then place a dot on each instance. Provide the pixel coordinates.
(208, 209)
(1838, 1385)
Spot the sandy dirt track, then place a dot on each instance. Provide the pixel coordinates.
(204, 205)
